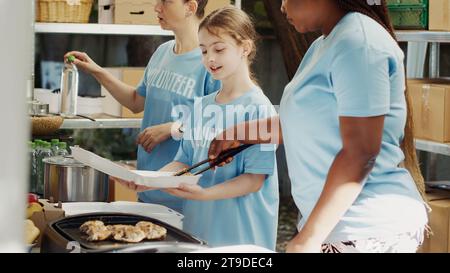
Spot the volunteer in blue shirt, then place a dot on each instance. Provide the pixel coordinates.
(174, 77)
(346, 126)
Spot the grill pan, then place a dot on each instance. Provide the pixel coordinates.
(61, 235)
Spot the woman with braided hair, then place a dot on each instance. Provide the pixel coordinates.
(346, 124)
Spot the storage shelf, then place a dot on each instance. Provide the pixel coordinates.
(433, 147)
(102, 121)
(423, 36)
(101, 29)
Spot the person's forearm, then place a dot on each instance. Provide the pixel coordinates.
(123, 93)
(343, 185)
(174, 166)
(239, 186)
(263, 131)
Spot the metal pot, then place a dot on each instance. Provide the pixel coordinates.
(68, 180)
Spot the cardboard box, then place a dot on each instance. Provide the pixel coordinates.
(106, 11)
(439, 222)
(439, 15)
(141, 12)
(49, 214)
(130, 76)
(431, 109)
(135, 12)
(216, 4)
(89, 106)
(117, 192)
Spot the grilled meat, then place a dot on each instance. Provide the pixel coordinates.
(96, 231)
(91, 224)
(126, 233)
(152, 231)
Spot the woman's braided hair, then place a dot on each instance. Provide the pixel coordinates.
(377, 10)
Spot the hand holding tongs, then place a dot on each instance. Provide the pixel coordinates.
(214, 162)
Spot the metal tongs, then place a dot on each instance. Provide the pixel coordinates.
(214, 162)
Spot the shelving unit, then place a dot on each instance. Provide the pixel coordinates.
(434, 38)
(101, 29)
(423, 36)
(433, 147)
(424, 39)
(102, 121)
(106, 29)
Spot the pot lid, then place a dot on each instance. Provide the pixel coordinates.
(63, 161)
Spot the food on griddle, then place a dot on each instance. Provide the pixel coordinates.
(99, 235)
(126, 233)
(152, 231)
(96, 230)
(90, 224)
(188, 174)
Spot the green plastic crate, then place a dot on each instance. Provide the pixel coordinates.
(407, 2)
(409, 17)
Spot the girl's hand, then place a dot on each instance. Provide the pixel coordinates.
(131, 185)
(152, 136)
(83, 61)
(191, 192)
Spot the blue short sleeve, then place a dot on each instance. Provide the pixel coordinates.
(259, 159)
(360, 80)
(142, 86)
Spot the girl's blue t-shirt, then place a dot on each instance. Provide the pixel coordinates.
(250, 219)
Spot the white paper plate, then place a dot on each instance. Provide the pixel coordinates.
(144, 178)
